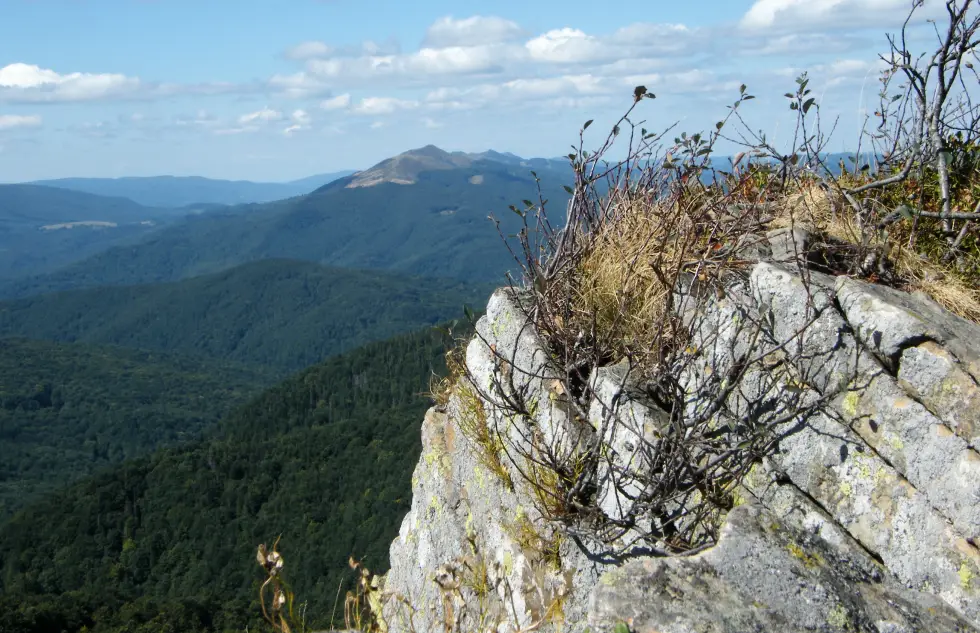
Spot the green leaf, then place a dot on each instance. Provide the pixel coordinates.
(719, 125)
(568, 189)
(807, 104)
(621, 627)
(905, 211)
(741, 89)
(587, 124)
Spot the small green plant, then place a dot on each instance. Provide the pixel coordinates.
(475, 426)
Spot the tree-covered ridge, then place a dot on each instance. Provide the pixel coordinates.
(436, 227)
(167, 542)
(281, 314)
(67, 410)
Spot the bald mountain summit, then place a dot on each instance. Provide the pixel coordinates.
(423, 212)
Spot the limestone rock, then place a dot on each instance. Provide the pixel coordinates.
(888, 321)
(934, 377)
(764, 576)
(865, 518)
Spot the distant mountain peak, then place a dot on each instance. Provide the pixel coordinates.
(404, 168)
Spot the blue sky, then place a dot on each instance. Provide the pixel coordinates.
(267, 90)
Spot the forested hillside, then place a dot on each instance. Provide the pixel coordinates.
(281, 314)
(167, 542)
(437, 227)
(67, 410)
(43, 228)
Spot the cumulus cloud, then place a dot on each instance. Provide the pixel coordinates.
(516, 90)
(566, 45)
(12, 121)
(807, 15)
(479, 47)
(420, 65)
(383, 105)
(340, 102)
(27, 83)
(475, 30)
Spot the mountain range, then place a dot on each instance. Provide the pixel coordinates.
(424, 212)
(182, 191)
(182, 379)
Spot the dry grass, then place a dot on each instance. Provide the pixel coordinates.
(814, 209)
(618, 294)
(616, 298)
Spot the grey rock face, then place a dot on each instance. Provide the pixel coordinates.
(764, 576)
(865, 518)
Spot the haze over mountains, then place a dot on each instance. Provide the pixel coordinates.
(180, 191)
(424, 212)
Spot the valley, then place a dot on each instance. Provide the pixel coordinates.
(185, 382)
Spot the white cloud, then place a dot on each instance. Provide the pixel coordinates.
(377, 125)
(299, 120)
(420, 65)
(431, 123)
(300, 117)
(32, 84)
(298, 85)
(309, 50)
(566, 46)
(646, 34)
(383, 105)
(516, 90)
(264, 115)
(475, 30)
(252, 121)
(340, 102)
(11, 121)
(456, 59)
(808, 15)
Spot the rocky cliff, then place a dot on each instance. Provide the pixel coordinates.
(860, 512)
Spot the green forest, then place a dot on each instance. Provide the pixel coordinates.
(284, 315)
(167, 542)
(67, 410)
